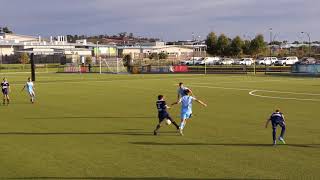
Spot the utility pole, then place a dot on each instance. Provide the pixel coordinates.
(97, 51)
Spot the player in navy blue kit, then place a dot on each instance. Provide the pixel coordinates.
(276, 119)
(5, 87)
(163, 113)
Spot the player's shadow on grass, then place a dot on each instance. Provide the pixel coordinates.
(225, 144)
(133, 178)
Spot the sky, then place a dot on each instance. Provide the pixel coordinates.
(164, 19)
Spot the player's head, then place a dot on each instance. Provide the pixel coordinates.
(160, 97)
(4, 79)
(187, 91)
(278, 110)
(29, 79)
(181, 84)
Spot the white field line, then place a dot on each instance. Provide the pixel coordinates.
(252, 93)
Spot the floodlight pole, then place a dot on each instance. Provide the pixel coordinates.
(308, 34)
(117, 61)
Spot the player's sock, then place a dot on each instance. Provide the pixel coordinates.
(274, 131)
(157, 128)
(283, 130)
(175, 124)
(8, 101)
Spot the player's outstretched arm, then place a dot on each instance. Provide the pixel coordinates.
(202, 103)
(267, 123)
(179, 101)
(23, 87)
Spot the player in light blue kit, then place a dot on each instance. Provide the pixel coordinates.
(30, 88)
(186, 108)
(181, 91)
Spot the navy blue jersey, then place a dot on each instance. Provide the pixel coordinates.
(4, 85)
(161, 106)
(277, 117)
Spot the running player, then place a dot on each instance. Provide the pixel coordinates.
(181, 91)
(186, 108)
(276, 119)
(5, 91)
(30, 88)
(163, 114)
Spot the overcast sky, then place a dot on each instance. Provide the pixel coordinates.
(165, 19)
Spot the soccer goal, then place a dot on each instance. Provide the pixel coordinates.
(114, 65)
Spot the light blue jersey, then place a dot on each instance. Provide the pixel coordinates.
(186, 106)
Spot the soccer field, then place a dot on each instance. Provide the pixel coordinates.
(94, 126)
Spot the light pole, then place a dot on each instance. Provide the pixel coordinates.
(100, 63)
(308, 34)
(270, 42)
(193, 48)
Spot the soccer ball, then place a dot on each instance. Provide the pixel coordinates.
(168, 122)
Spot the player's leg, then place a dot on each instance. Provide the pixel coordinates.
(283, 130)
(161, 119)
(274, 133)
(8, 98)
(172, 121)
(32, 95)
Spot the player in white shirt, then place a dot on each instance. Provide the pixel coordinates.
(30, 88)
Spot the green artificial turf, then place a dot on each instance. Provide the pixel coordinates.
(93, 126)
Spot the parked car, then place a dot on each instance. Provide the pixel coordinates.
(307, 60)
(193, 60)
(227, 61)
(267, 61)
(287, 61)
(210, 61)
(246, 61)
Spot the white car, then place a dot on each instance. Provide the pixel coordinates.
(246, 61)
(287, 61)
(227, 61)
(267, 61)
(209, 61)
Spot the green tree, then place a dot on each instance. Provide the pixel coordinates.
(246, 47)
(6, 30)
(88, 60)
(236, 46)
(211, 43)
(258, 45)
(163, 55)
(24, 58)
(223, 45)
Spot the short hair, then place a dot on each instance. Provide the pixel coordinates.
(180, 83)
(187, 91)
(160, 97)
(277, 110)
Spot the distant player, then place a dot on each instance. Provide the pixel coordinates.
(186, 108)
(5, 87)
(181, 91)
(276, 119)
(163, 113)
(30, 88)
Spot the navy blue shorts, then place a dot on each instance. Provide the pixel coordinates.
(163, 116)
(5, 91)
(276, 123)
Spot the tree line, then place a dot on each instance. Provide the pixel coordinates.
(224, 46)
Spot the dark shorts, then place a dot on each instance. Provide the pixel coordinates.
(163, 116)
(276, 123)
(5, 91)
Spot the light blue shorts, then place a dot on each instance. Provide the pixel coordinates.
(186, 115)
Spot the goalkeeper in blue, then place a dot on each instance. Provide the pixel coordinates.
(186, 108)
(277, 119)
